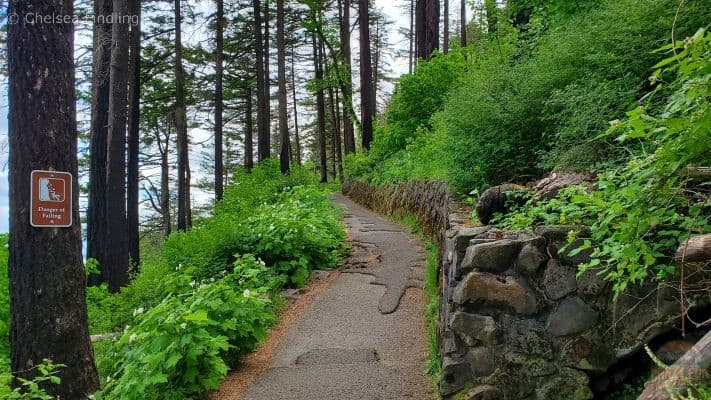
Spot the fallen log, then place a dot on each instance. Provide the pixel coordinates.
(695, 249)
(104, 336)
(692, 368)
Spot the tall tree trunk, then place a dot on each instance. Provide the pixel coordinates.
(96, 232)
(337, 138)
(181, 128)
(296, 111)
(427, 28)
(283, 117)
(320, 110)
(491, 17)
(47, 282)
(445, 41)
(345, 35)
(367, 102)
(376, 62)
(219, 54)
(263, 136)
(114, 269)
(248, 132)
(165, 182)
(412, 35)
(132, 199)
(463, 23)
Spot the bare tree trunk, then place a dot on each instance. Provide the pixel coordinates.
(491, 18)
(367, 102)
(96, 233)
(296, 111)
(263, 135)
(132, 198)
(248, 132)
(165, 181)
(114, 269)
(412, 36)
(283, 117)
(427, 28)
(47, 283)
(463, 23)
(181, 126)
(344, 7)
(337, 139)
(445, 42)
(320, 110)
(219, 55)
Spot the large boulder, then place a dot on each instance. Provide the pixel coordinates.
(505, 291)
(493, 201)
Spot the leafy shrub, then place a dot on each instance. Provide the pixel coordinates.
(31, 389)
(640, 213)
(299, 231)
(187, 340)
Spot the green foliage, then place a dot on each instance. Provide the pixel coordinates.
(210, 294)
(187, 340)
(5, 374)
(641, 212)
(32, 389)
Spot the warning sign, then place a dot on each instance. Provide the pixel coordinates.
(51, 199)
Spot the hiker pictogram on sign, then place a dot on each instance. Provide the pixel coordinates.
(51, 199)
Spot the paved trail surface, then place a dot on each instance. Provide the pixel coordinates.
(363, 338)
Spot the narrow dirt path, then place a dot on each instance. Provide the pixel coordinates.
(363, 337)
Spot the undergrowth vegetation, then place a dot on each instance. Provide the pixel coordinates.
(640, 212)
(528, 97)
(205, 297)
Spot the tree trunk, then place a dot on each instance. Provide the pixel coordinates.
(263, 137)
(692, 368)
(320, 110)
(181, 126)
(337, 139)
(165, 183)
(114, 269)
(283, 117)
(463, 23)
(296, 111)
(132, 198)
(47, 283)
(345, 36)
(248, 133)
(367, 102)
(445, 41)
(96, 233)
(219, 54)
(427, 28)
(491, 18)
(412, 36)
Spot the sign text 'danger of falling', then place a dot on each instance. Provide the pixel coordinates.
(51, 199)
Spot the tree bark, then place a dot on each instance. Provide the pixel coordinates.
(337, 137)
(181, 126)
(219, 54)
(132, 198)
(693, 367)
(320, 110)
(263, 136)
(283, 117)
(47, 283)
(96, 233)
(296, 111)
(463, 23)
(114, 268)
(367, 102)
(345, 36)
(427, 28)
(165, 182)
(445, 39)
(412, 36)
(248, 132)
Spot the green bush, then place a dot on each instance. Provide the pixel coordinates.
(188, 340)
(641, 212)
(5, 371)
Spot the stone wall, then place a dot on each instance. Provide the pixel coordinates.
(515, 320)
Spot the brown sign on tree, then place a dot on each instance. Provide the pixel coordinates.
(51, 199)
